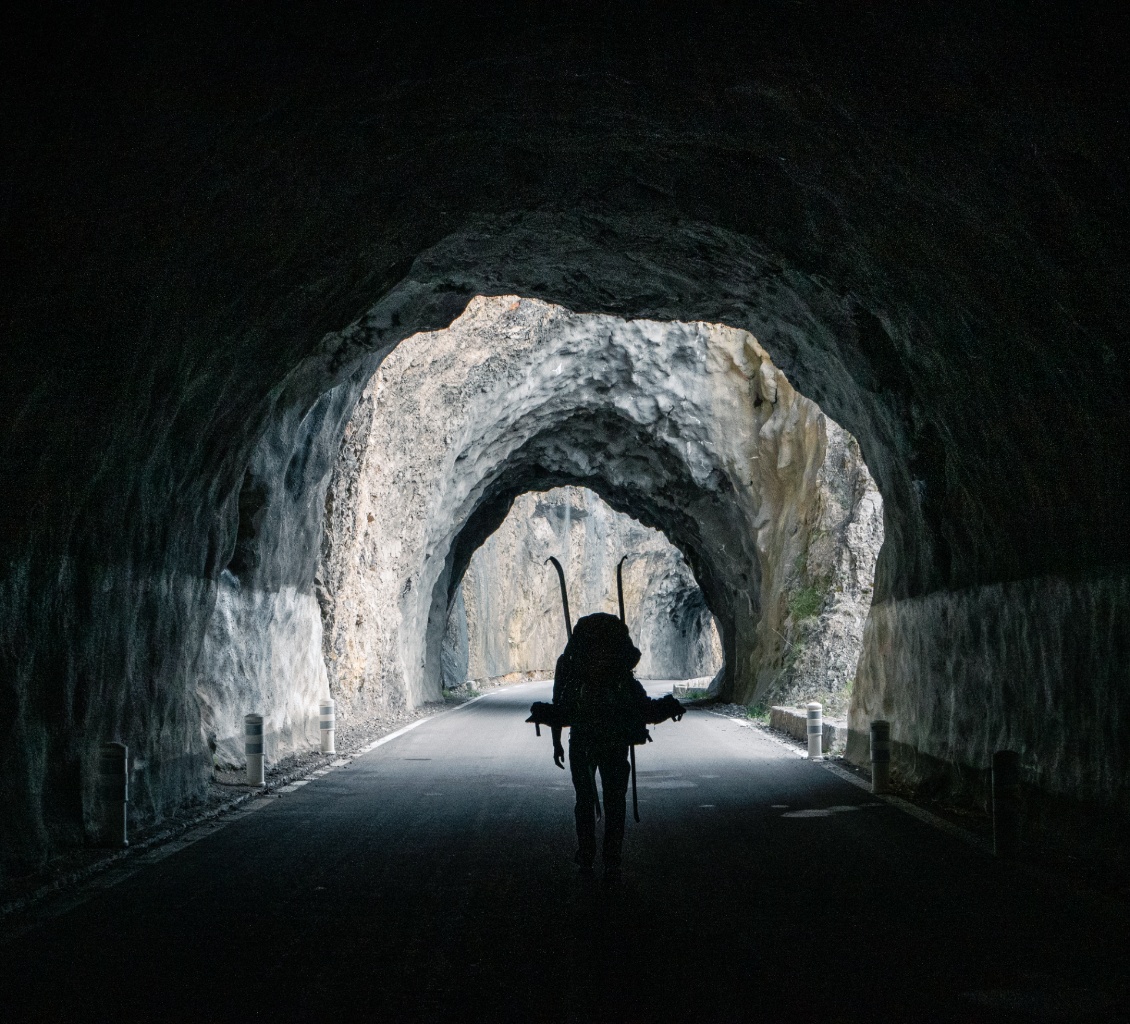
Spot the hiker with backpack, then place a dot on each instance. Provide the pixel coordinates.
(607, 711)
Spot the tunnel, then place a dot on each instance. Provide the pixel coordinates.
(301, 302)
(506, 616)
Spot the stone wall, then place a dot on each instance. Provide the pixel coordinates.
(960, 674)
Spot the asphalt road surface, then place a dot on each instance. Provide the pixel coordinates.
(431, 879)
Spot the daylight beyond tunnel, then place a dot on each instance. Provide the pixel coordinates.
(687, 428)
(506, 623)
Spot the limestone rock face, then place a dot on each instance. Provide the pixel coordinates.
(725, 458)
(508, 614)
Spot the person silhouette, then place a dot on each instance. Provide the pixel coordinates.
(607, 711)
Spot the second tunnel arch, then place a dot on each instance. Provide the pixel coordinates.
(678, 450)
(506, 624)
(659, 497)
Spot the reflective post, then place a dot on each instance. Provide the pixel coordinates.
(815, 732)
(1006, 803)
(253, 749)
(880, 756)
(113, 789)
(326, 725)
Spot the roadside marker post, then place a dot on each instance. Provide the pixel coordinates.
(880, 756)
(113, 788)
(815, 732)
(253, 749)
(326, 725)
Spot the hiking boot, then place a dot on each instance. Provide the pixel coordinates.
(584, 864)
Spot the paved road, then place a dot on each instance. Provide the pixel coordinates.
(431, 880)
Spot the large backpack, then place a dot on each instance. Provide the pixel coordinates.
(596, 690)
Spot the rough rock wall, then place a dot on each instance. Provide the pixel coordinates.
(824, 606)
(960, 674)
(262, 653)
(724, 457)
(508, 613)
(917, 211)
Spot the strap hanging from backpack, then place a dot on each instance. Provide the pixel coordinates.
(635, 796)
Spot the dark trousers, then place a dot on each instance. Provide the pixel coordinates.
(586, 758)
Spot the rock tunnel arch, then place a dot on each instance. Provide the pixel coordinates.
(668, 422)
(626, 264)
(505, 619)
(543, 463)
(623, 267)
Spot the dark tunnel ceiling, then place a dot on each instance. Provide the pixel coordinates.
(192, 202)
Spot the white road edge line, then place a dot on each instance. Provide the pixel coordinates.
(130, 862)
(414, 725)
(923, 815)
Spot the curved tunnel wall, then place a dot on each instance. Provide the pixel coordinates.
(937, 258)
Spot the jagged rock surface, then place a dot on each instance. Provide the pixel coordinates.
(725, 458)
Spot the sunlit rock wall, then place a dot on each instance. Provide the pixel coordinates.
(723, 456)
(824, 604)
(508, 616)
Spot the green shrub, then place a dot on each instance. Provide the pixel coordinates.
(806, 602)
(758, 712)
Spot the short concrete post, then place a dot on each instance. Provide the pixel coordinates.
(1006, 803)
(253, 749)
(880, 756)
(815, 732)
(113, 790)
(326, 725)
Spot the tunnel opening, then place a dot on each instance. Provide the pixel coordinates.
(394, 483)
(505, 616)
(687, 429)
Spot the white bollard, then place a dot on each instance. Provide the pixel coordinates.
(113, 789)
(880, 756)
(253, 749)
(815, 732)
(326, 725)
(1006, 803)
